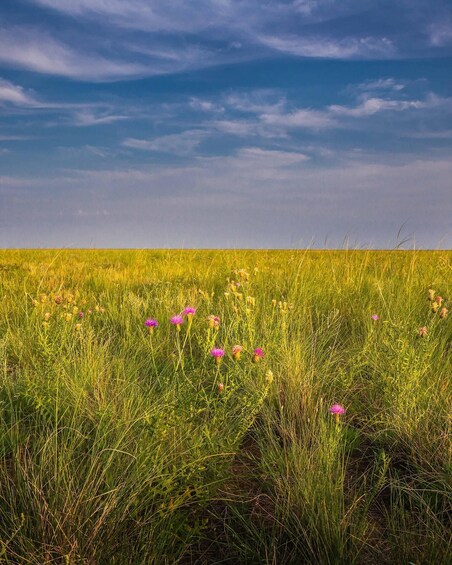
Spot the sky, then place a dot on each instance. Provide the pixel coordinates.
(226, 123)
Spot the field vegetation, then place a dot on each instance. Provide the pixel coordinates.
(130, 436)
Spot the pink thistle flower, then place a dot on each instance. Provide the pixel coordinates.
(177, 321)
(337, 410)
(189, 311)
(218, 354)
(220, 388)
(257, 355)
(151, 324)
(423, 331)
(236, 351)
(214, 321)
(81, 314)
(375, 317)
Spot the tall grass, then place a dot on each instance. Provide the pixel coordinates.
(118, 446)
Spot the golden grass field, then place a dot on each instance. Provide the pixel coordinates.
(125, 443)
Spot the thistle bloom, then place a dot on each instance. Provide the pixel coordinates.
(257, 355)
(423, 331)
(189, 311)
(236, 351)
(375, 317)
(177, 321)
(218, 354)
(337, 410)
(443, 313)
(81, 314)
(214, 321)
(151, 324)
(220, 387)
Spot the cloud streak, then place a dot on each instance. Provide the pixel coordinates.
(119, 39)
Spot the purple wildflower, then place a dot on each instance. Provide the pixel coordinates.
(375, 317)
(177, 321)
(218, 354)
(151, 324)
(257, 355)
(337, 410)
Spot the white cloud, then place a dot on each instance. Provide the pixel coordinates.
(380, 84)
(205, 105)
(304, 118)
(90, 118)
(179, 143)
(15, 95)
(373, 105)
(329, 48)
(441, 33)
(35, 51)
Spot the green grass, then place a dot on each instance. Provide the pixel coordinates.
(117, 446)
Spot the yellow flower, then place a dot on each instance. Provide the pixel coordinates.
(78, 327)
(47, 316)
(68, 317)
(431, 294)
(274, 303)
(269, 377)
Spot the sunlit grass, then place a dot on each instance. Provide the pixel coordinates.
(174, 406)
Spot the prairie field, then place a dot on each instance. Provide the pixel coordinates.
(130, 435)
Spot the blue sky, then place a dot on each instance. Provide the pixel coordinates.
(246, 123)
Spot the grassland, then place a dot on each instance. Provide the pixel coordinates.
(120, 445)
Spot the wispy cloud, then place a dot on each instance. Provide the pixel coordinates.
(180, 143)
(35, 50)
(372, 106)
(328, 48)
(90, 118)
(304, 118)
(16, 95)
(152, 37)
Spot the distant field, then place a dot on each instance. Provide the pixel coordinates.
(125, 443)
